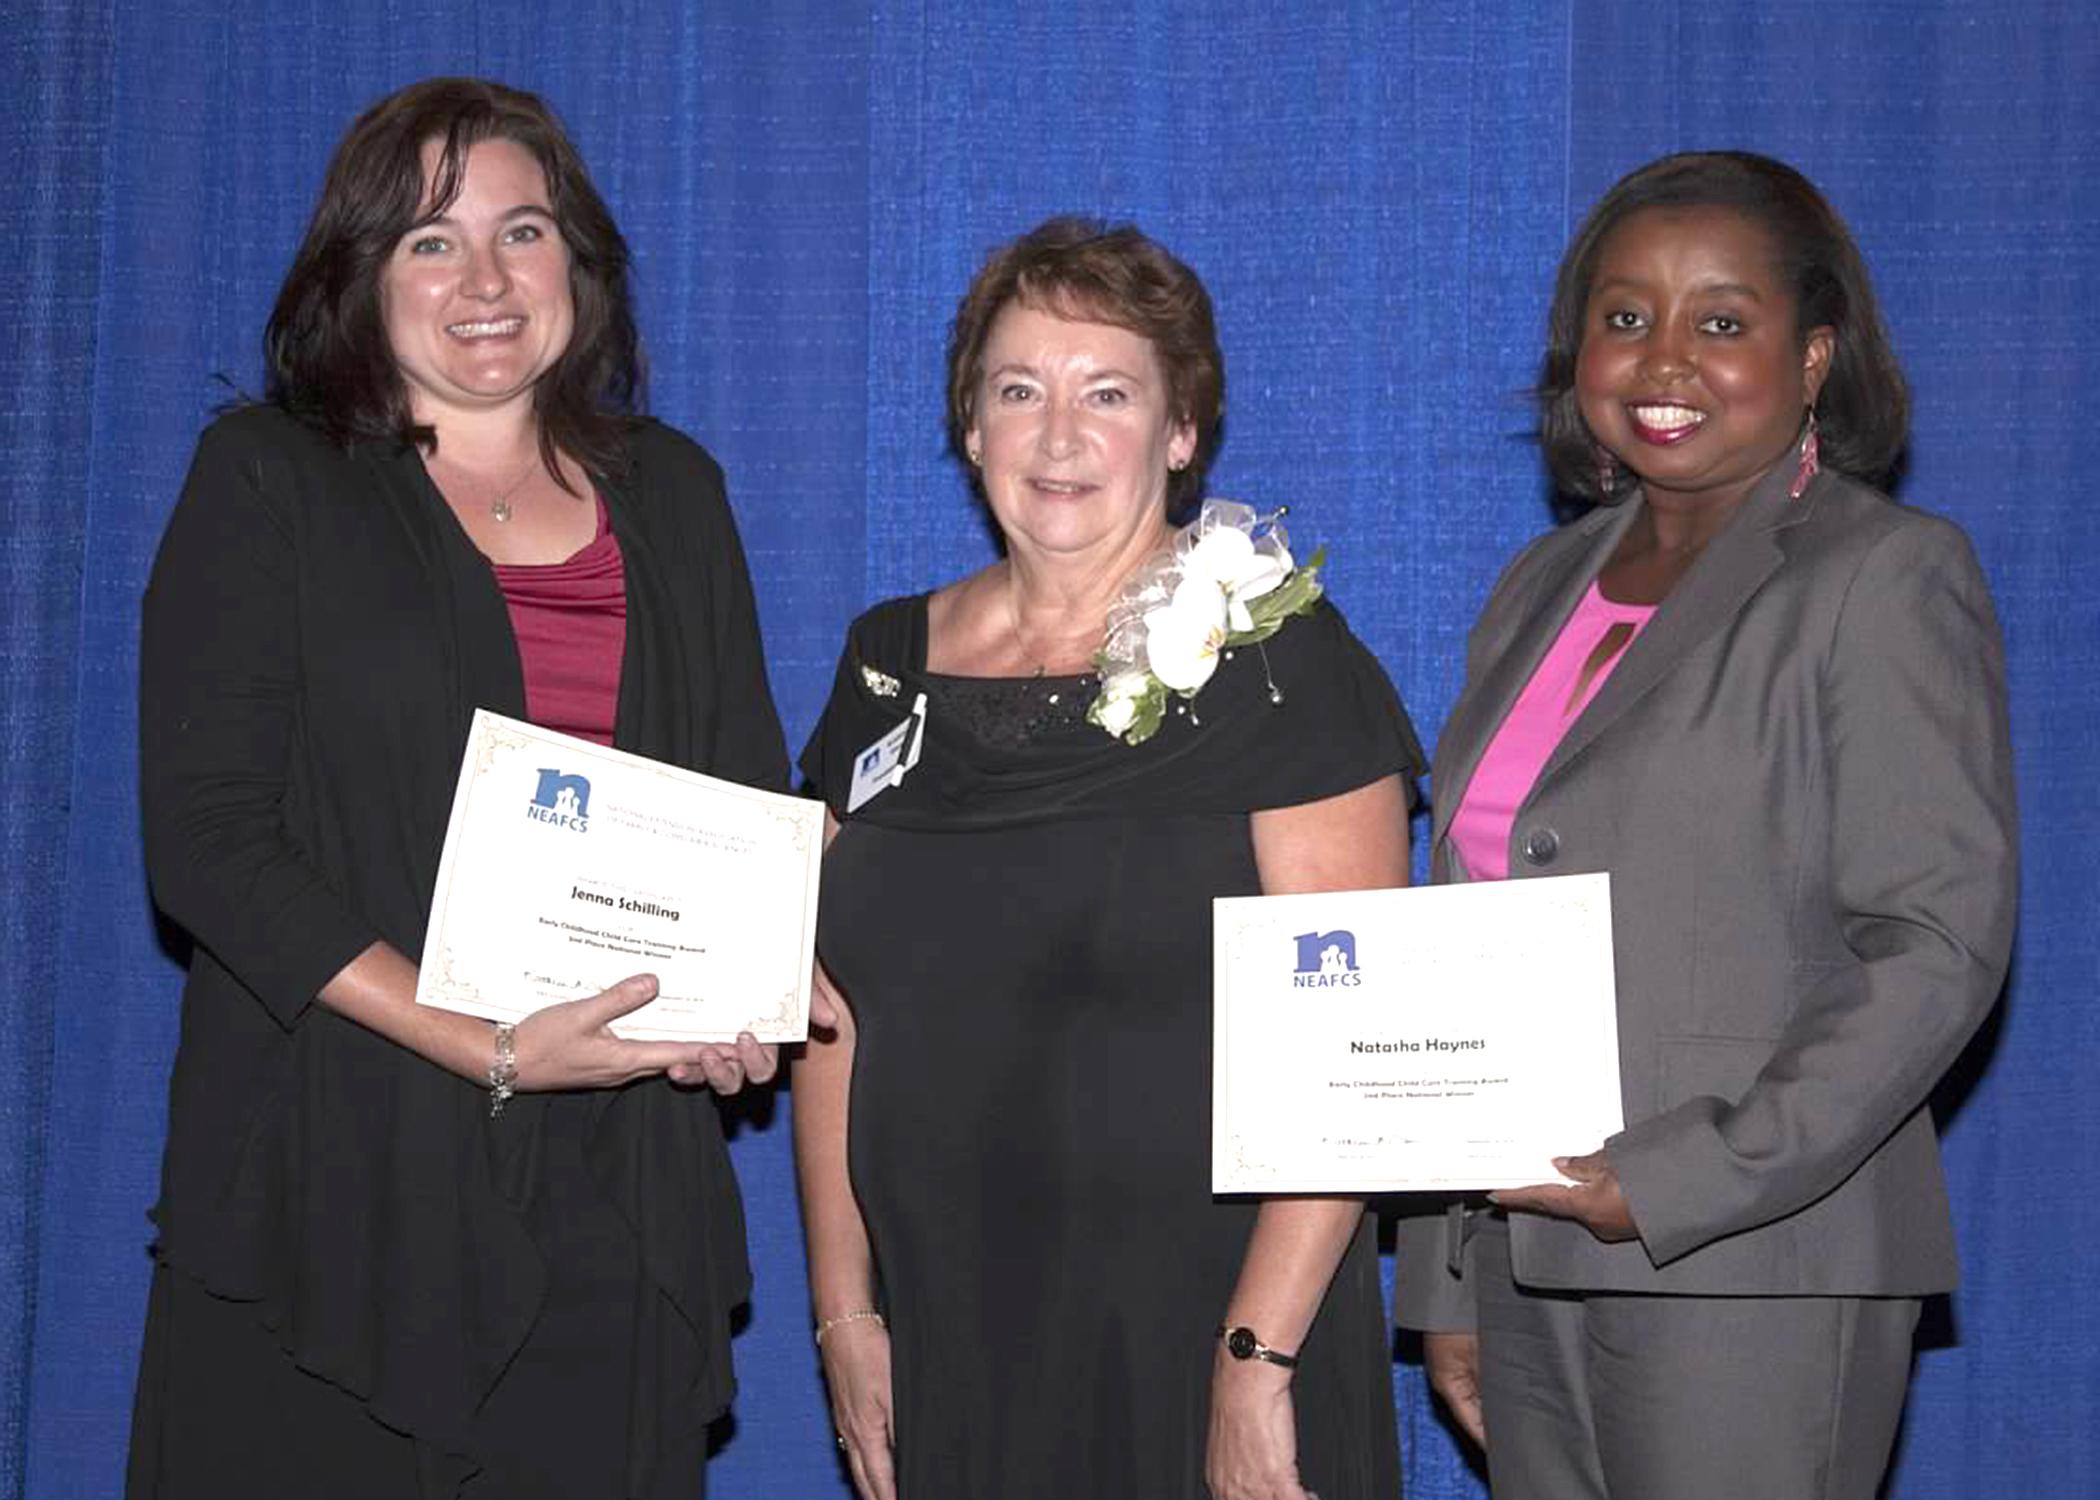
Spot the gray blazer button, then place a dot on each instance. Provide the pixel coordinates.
(1541, 846)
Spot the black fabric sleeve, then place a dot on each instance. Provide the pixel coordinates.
(749, 746)
(218, 709)
(821, 761)
(885, 639)
(1315, 716)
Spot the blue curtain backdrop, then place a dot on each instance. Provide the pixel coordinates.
(1377, 195)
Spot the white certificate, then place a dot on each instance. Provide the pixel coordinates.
(1443, 1037)
(569, 866)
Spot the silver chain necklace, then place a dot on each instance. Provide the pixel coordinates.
(500, 509)
(1041, 659)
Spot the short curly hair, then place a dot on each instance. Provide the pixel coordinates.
(1114, 274)
(1863, 410)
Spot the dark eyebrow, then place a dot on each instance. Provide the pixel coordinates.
(1022, 367)
(1704, 289)
(522, 210)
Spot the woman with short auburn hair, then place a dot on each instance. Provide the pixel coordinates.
(1022, 1284)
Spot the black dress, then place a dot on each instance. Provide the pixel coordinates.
(1023, 930)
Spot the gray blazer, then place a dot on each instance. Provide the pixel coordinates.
(1799, 779)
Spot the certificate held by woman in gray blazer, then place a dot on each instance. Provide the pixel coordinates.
(1770, 702)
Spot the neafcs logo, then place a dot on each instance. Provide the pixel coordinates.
(564, 801)
(1326, 959)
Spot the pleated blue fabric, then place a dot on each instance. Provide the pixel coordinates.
(1376, 195)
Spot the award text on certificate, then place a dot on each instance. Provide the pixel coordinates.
(1443, 1037)
(569, 866)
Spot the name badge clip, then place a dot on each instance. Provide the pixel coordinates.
(884, 763)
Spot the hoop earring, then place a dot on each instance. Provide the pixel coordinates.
(1811, 460)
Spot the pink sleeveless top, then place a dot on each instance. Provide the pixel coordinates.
(571, 622)
(1553, 699)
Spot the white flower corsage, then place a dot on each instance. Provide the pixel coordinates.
(1227, 580)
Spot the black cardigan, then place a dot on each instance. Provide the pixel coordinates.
(317, 633)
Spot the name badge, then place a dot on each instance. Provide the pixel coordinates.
(883, 764)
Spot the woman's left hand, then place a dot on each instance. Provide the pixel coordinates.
(1595, 1200)
(726, 1067)
(1253, 1449)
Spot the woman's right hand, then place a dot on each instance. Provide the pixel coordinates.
(1452, 1362)
(570, 1045)
(856, 1359)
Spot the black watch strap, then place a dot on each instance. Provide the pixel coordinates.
(1243, 1343)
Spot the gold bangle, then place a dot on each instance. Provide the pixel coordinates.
(858, 1315)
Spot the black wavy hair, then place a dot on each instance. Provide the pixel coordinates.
(1863, 409)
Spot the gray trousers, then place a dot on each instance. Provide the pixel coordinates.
(1611, 1396)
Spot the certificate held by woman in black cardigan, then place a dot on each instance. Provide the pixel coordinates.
(570, 865)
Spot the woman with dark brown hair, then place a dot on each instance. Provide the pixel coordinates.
(1021, 1281)
(1770, 702)
(378, 1273)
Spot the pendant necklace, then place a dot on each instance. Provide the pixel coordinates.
(500, 507)
(1013, 623)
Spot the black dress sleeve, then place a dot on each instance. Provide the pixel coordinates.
(1336, 725)
(869, 696)
(218, 712)
(1305, 715)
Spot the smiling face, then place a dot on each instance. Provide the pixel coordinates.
(476, 300)
(1691, 371)
(1073, 436)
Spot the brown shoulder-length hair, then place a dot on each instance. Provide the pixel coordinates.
(329, 360)
(1115, 274)
(1863, 409)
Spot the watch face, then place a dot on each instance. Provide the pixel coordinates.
(1241, 1343)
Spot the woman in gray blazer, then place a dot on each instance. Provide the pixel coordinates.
(1770, 702)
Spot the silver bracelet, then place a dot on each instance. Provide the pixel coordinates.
(503, 1072)
(858, 1315)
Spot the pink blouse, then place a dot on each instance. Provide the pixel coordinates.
(1559, 690)
(571, 622)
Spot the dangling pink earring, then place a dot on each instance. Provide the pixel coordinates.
(1607, 471)
(1810, 464)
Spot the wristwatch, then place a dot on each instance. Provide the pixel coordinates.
(1242, 1343)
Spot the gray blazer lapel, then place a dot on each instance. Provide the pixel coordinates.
(1733, 567)
(1538, 614)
